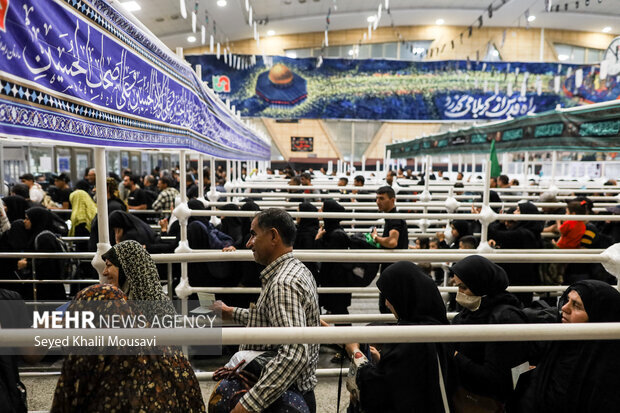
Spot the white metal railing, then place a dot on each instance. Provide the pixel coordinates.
(319, 335)
(423, 255)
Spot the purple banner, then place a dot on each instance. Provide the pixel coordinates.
(80, 71)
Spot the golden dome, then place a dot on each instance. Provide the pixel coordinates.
(280, 75)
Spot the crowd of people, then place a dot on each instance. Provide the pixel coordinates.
(432, 377)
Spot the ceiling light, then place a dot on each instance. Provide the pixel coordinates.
(191, 39)
(606, 29)
(371, 19)
(292, 55)
(270, 32)
(531, 18)
(439, 22)
(131, 6)
(351, 52)
(221, 3)
(562, 57)
(494, 53)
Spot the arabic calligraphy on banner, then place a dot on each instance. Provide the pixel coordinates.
(85, 60)
(496, 106)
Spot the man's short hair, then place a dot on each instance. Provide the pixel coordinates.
(167, 180)
(190, 178)
(135, 179)
(469, 242)
(280, 220)
(503, 179)
(295, 180)
(359, 178)
(387, 190)
(27, 177)
(345, 179)
(306, 175)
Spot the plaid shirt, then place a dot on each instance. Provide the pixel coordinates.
(165, 199)
(288, 299)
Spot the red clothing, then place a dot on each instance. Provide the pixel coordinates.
(571, 232)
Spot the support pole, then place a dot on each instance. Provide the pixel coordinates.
(102, 211)
(526, 161)
(554, 161)
(449, 166)
(201, 178)
(352, 144)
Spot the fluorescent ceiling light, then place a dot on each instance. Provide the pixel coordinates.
(439, 22)
(531, 18)
(562, 57)
(131, 6)
(270, 32)
(292, 55)
(222, 3)
(191, 39)
(606, 29)
(371, 19)
(351, 52)
(495, 53)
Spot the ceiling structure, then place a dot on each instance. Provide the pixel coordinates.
(164, 19)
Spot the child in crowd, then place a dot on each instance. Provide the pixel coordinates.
(572, 231)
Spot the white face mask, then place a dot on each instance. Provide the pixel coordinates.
(471, 302)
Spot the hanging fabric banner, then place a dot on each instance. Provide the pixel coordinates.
(404, 90)
(80, 71)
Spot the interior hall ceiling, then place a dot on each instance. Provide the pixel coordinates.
(163, 18)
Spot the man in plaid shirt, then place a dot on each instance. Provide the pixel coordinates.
(288, 299)
(167, 194)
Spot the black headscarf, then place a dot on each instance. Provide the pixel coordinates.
(600, 300)
(232, 225)
(197, 205)
(535, 227)
(579, 376)
(311, 224)
(16, 207)
(332, 206)
(480, 275)
(246, 222)
(462, 227)
(489, 280)
(412, 293)
(134, 228)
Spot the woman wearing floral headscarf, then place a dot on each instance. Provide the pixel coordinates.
(124, 383)
(130, 267)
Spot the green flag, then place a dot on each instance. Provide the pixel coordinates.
(496, 170)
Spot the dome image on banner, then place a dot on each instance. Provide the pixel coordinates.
(280, 86)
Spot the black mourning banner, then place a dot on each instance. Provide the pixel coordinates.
(302, 144)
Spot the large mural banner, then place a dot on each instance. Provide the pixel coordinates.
(280, 87)
(79, 71)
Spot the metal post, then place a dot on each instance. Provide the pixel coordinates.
(485, 201)
(473, 163)
(460, 162)
(449, 166)
(201, 177)
(526, 161)
(363, 164)
(352, 143)
(554, 161)
(2, 169)
(102, 211)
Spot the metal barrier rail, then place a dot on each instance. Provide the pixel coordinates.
(200, 375)
(438, 256)
(402, 215)
(319, 335)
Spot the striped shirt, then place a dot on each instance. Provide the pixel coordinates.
(288, 299)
